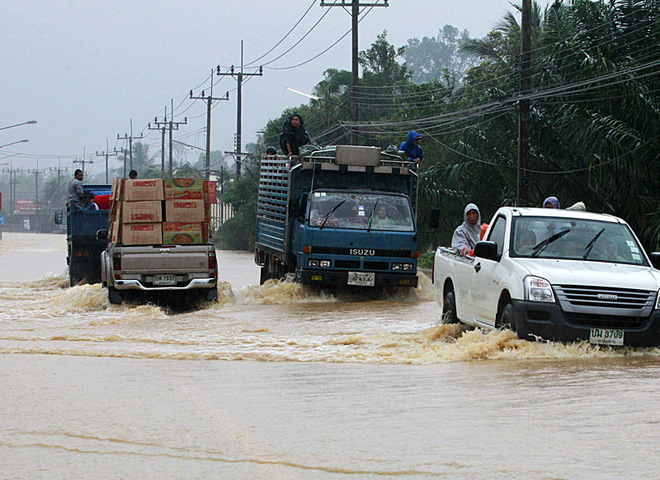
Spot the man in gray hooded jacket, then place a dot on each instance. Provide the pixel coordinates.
(467, 234)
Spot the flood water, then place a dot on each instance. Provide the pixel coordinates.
(280, 381)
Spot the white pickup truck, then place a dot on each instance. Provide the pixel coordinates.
(556, 275)
(189, 270)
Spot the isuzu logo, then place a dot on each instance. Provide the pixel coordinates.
(363, 252)
(606, 296)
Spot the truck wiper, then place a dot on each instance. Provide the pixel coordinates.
(590, 245)
(540, 247)
(371, 215)
(327, 215)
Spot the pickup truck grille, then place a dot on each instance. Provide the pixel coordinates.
(618, 298)
(605, 321)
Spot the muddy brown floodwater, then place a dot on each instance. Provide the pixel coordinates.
(283, 382)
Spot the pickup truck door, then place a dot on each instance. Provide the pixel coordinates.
(489, 274)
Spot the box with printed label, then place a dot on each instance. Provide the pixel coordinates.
(182, 233)
(148, 189)
(210, 191)
(115, 210)
(184, 188)
(184, 211)
(114, 233)
(142, 212)
(116, 192)
(142, 233)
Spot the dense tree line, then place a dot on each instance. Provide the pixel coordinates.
(595, 112)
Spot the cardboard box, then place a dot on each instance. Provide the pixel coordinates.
(182, 233)
(183, 188)
(184, 211)
(115, 210)
(117, 190)
(210, 191)
(148, 189)
(142, 234)
(114, 233)
(142, 212)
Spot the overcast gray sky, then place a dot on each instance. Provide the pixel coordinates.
(84, 68)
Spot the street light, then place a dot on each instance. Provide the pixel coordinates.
(30, 122)
(314, 97)
(25, 140)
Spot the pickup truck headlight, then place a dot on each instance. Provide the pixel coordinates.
(538, 290)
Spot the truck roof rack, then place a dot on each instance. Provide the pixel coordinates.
(356, 158)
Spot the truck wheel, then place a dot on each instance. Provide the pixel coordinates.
(114, 296)
(263, 276)
(449, 308)
(507, 318)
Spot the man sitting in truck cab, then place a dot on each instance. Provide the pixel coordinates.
(467, 234)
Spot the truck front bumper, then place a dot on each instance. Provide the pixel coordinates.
(195, 283)
(550, 322)
(328, 277)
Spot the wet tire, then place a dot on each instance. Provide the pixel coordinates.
(263, 276)
(449, 308)
(114, 296)
(507, 318)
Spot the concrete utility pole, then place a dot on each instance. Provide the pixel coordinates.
(130, 139)
(106, 154)
(239, 104)
(12, 185)
(59, 171)
(82, 162)
(209, 100)
(355, 12)
(36, 172)
(162, 128)
(522, 199)
(172, 125)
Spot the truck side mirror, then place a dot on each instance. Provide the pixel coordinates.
(102, 234)
(434, 219)
(487, 250)
(655, 259)
(58, 217)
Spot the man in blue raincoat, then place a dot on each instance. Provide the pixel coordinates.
(411, 147)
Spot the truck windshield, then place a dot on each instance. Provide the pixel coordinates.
(575, 239)
(361, 211)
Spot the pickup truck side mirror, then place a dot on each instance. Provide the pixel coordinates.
(102, 234)
(655, 259)
(487, 250)
(58, 217)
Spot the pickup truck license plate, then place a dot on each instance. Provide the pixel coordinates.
(606, 336)
(362, 279)
(164, 280)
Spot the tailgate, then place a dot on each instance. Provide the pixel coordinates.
(165, 259)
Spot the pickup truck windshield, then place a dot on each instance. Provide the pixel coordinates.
(361, 211)
(575, 239)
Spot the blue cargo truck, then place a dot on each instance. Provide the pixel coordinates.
(343, 215)
(83, 248)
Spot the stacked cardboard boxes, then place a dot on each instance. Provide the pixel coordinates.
(168, 211)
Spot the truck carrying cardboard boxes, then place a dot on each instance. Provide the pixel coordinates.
(158, 238)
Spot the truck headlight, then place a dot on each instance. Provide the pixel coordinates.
(313, 263)
(396, 266)
(538, 290)
(325, 263)
(408, 267)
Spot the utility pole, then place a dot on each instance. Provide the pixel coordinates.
(12, 185)
(523, 105)
(239, 104)
(59, 170)
(209, 100)
(105, 154)
(355, 13)
(172, 125)
(36, 172)
(162, 128)
(130, 139)
(82, 162)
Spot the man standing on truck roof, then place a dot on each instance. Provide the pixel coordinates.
(75, 189)
(411, 147)
(293, 135)
(467, 234)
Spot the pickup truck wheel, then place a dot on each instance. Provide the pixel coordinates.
(507, 318)
(114, 296)
(449, 308)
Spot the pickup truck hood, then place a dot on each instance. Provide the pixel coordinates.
(575, 272)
